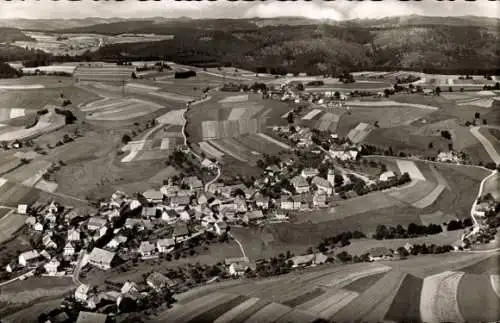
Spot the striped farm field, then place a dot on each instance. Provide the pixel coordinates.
(405, 306)
(254, 142)
(438, 300)
(373, 304)
(235, 98)
(360, 132)
(119, 109)
(390, 103)
(210, 150)
(328, 303)
(236, 113)
(362, 204)
(230, 315)
(212, 129)
(9, 224)
(311, 114)
(275, 141)
(413, 193)
(172, 96)
(269, 313)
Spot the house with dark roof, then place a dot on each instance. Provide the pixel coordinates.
(158, 281)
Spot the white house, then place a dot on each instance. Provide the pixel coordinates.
(289, 203)
(22, 209)
(309, 172)
(319, 199)
(101, 258)
(300, 184)
(129, 287)
(323, 185)
(207, 163)
(96, 223)
(73, 235)
(386, 176)
(308, 260)
(116, 241)
(28, 257)
(379, 253)
(164, 245)
(146, 249)
(82, 293)
(344, 154)
(239, 268)
(30, 220)
(51, 267)
(69, 249)
(38, 227)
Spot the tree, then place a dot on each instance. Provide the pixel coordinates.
(431, 145)
(126, 139)
(485, 122)
(437, 90)
(290, 117)
(477, 115)
(461, 89)
(446, 134)
(134, 76)
(300, 87)
(403, 253)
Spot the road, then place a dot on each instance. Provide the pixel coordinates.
(29, 273)
(76, 272)
(488, 146)
(240, 245)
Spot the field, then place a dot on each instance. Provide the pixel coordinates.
(371, 292)
(9, 224)
(360, 132)
(246, 148)
(110, 73)
(119, 109)
(212, 129)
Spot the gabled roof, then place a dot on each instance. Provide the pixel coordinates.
(180, 229)
(320, 182)
(299, 181)
(146, 246)
(89, 317)
(379, 252)
(153, 194)
(102, 256)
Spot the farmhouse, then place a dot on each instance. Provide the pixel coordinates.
(193, 182)
(308, 260)
(38, 227)
(158, 281)
(81, 293)
(96, 223)
(179, 201)
(22, 209)
(148, 212)
(181, 231)
(51, 267)
(48, 242)
(289, 203)
(208, 164)
(163, 245)
(253, 216)
(379, 253)
(101, 258)
(309, 172)
(319, 199)
(323, 185)
(344, 155)
(28, 258)
(261, 201)
(146, 249)
(241, 204)
(116, 241)
(386, 176)
(69, 249)
(300, 184)
(73, 235)
(153, 196)
(141, 224)
(448, 157)
(239, 268)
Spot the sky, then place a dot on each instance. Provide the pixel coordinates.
(335, 10)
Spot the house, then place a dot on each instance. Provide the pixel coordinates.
(73, 235)
(289, 203)
(300, 184)
(309, 172)
(148, 212)
(116, 241)
(28, 258)
(184, 216)
(169, 190)
(38, 227)
(379, 253)
(179, 201)
(95, 223)
(82, 293)
(51, 267)
(254, 216)
(228, 215)
(169, 215)
(31, 221)
(409, 247)
(449, 156)
(386, 176)
(202, 199)
(111, 214)
(214, 188)
(312, 259)
(273, 170)
(193, 182)
(153, 196)
(241, 204)
(239, 268)
(343, 154)
(158, 281)
(181, 232)
(164, 245)
(323, 185)
(134, 204)
(48, 242)
(146, 249)
(22, 209)
(220, 227)
(50, 218)
(90, 317)
(45, 255)
(99, 233)
(208, 164)
(319, 199)
(101, 258)
(129, 287)
(261, 201)
(69, 249)
(140, 224)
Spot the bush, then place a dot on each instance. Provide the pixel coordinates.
(126, 139)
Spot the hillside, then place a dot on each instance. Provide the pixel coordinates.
(319, 48)
(8, 35)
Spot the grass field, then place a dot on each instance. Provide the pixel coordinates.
(48, 122)
(119, 109)
(405, 306)
(9, 224)
(477, 299)
(174, 117)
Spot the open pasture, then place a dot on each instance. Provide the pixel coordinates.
(48, 122)
(386, 116)
(174, 117)
(477, 299)
(410, 167)
(29, 174)
(24, 100)
(172, 96)
(119, 109)
(231, 147)
(235, 99)
(9, 224)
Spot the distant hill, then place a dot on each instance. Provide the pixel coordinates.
(54, 24)
(8, 35)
